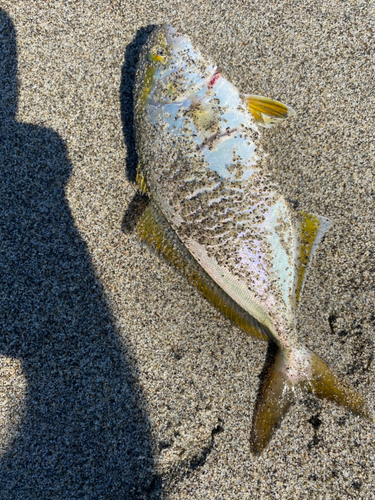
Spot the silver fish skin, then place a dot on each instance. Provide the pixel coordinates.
(199, 143)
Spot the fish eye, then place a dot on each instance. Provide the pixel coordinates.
(157, 54)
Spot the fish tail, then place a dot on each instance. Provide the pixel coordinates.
(284, 377)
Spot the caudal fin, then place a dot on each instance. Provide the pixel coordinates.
(324, 383)
(274, 399)
(283, 375)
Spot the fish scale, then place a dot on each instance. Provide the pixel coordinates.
(218, 218)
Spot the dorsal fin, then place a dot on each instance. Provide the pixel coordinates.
(312, 229)
(267, 112)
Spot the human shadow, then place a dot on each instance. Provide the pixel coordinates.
(84, 432)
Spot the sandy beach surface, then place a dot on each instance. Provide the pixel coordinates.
(117, 379)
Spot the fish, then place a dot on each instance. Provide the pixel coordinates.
(217, 216)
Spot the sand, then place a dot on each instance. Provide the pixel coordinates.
(117, 379)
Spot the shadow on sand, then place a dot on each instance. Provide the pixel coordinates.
(83, 433)
(140, 201)
(126, 98)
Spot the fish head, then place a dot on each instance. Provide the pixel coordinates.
(170, 69)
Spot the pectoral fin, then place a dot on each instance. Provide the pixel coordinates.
(267, 112)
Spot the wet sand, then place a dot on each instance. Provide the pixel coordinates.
(117, 380)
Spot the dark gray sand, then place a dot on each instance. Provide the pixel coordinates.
(117, 379)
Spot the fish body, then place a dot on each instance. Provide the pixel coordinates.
(217, 216)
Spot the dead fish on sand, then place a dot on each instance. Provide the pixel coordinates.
(218, 218)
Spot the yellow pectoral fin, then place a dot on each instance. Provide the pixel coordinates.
(268, 112)
(312, 229)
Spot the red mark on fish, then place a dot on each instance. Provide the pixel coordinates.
(213, 79)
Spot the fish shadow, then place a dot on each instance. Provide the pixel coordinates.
(134, 212)
(84, 432)
(128, 71)
(140, 201)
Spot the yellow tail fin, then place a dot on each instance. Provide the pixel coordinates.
(324, 383)
(283, 375)
(274, 399)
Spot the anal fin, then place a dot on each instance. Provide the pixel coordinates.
(154, 229)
